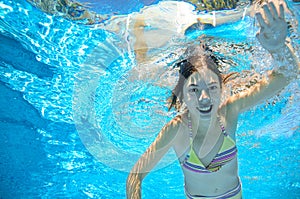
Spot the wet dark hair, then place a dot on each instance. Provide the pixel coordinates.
(195, 57)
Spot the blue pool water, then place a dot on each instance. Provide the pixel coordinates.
(46, 131)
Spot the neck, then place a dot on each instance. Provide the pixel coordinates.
(202, 127)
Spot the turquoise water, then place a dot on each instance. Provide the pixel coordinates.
(47, 72)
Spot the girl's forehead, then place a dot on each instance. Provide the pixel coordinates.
(205, 75)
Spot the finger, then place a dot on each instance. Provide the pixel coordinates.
(281, 13)
(260, 20)
(273, 11)
(268, 13)
(258, 36)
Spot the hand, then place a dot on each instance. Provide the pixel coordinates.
(273, 28)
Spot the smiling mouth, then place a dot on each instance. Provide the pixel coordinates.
(205, 110)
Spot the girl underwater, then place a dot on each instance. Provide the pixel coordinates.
(203, 134)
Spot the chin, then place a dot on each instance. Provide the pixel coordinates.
(207, 114)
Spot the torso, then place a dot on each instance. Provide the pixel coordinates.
(212, 183)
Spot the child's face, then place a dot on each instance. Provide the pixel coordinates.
(202, 94)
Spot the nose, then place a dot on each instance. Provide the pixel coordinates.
(204, 97)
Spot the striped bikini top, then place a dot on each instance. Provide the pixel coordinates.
(226, 153)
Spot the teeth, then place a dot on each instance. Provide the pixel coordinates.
(205, 108)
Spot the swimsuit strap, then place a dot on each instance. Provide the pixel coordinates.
(190, 128)
(222, 127)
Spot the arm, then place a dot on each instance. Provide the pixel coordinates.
(150, 158)
(272, 37)
(140, 45)
(229, 17)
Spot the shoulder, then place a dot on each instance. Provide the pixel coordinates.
(174, 125)
(173, 128)
(169, 134)
(228, 110)
(229, 118)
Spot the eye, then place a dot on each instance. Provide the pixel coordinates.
(214, 87)
(193, 90)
